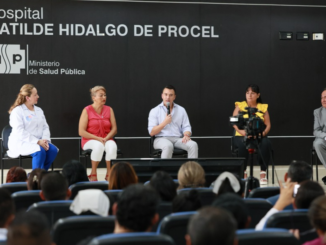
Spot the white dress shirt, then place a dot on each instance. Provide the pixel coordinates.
(3, 234)
(28, 127)
(180, 121)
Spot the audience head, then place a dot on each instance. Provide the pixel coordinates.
(236, 206)
(122, 175)
(191, 175)
(7, 208)
(74, 172)
(228, 183)
(317, 215)
(163, 183)
(29, 228)
(54, 187)
(254, 88)
(298, 171)
(16, 174)
(211, 226)
(307, 193)
(34, 179)
(136, 209)
(186, 201)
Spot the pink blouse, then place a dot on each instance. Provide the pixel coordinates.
(98, 124)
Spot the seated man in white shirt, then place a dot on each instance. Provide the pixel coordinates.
(171, 126)
(7, 209)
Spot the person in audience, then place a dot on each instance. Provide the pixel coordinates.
(163, 183)
(186, 201)
(211, 226)
(122, 175)
(236, 206)
(54, 187)
(7, 212)
(298, 172)
(136, 209)
(30, 135)
(29, 228)
(228, 183)
(191, 175)
(306, 194)
(97, 127)
(74, 172)
(16, 174)
(34, 179)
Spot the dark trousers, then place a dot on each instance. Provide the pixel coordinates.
(265, 147)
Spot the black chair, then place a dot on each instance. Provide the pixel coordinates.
(157, 153)
(113, 196)
(164, 209)
(206, 195)
(53, 210)
(175, 226)
(134, 238)
(75, 188)
(264, 192)
(71, 230)
(314, 160)
(24, 199)
(257, 208)
(3, 242)
(266, 237)
(15, 186)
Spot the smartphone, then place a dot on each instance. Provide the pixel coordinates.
(295, 190)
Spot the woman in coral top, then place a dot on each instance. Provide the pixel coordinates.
(97, 127)
(253, 99)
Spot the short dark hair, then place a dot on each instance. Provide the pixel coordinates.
(235, 205)
(74, 172)
(16, 174)
(7, 206)
(163, 183)
(29, 228)
(170, 87)
(34, 179)
(54, 186)
(136, 207)
(307, 193)
(186, 201)
(299, 171)
(211, 226)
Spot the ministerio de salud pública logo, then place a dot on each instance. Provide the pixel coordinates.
(12, 59)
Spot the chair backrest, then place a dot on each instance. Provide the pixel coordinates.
(266, 237)
(72, 230)
(264, 192)
(113, 197)
(135, 238)
(53, 210)
(75, 188)
(206, 195)
(257, 209)
(6, 131)
(164, 209)
(15, 186)
(175, 225)
(24, 199)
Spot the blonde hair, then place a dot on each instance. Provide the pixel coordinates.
(26, 90)
(191, 175)
(95, 89)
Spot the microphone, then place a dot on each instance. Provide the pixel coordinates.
(168, 107)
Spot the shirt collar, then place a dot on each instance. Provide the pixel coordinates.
(25, 107)
(162, 105)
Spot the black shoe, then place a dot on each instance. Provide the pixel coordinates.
(324, 180)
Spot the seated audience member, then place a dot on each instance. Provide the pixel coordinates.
(186, 201)
(228, 183)
(298, 171)
(122, 175)
(191, 175)
(29, 228)
(54, 187)
(307, 193)
(163, 183)
(16, 174)
(34, 179)
(211, 226)
(136, 209)
(74, 172)
(91, 200)
(236, 206)
(7, 212)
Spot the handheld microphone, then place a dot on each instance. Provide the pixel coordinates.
(168, 107)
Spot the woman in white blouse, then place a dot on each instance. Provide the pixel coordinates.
(30, 132)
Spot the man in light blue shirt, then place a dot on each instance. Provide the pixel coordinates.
(171, 130)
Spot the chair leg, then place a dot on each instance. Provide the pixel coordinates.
(312, 153)
(316, 164)
(52, 166)
(20, 162)
(2, 165)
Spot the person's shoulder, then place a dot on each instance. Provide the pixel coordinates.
(241, 104)
(36, 108)
(17, 110)
(262, 107)
(318, 110)
(180, 108)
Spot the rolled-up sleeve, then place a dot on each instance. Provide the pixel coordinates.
(318, 129)
(185, 123)
(152, 119)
